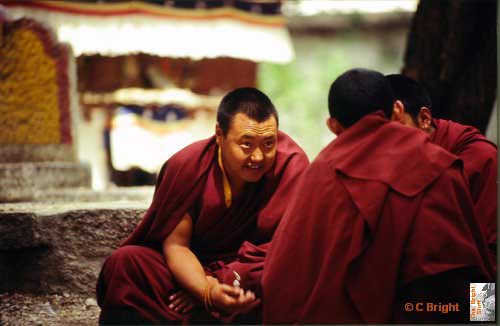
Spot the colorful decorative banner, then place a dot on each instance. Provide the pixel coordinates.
(113, 29)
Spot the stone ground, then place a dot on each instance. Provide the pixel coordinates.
(53, 309)
(46, 309)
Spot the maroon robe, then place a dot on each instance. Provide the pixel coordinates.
(224, 239)
(379, 209)
(480, 167)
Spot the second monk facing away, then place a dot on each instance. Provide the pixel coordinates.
(380, 219)
(478, 154)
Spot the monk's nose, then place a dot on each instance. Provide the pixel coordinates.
(257, 155)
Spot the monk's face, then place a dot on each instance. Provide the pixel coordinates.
(249, 148)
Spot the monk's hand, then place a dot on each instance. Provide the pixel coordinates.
(182, 302)
(248, 301)
(230, 299)
(212, 280)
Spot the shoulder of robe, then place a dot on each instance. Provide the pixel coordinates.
(192, 152)
(288, 146)
(188, 163)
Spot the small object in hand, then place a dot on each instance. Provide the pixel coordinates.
(237, 279)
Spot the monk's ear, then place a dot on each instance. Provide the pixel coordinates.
(398, 111)
(334, 125)
(424, 119)
(218, 134)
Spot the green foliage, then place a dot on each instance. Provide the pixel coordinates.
(299, 89)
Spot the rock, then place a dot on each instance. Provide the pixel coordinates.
(90, 302)
(18, 230)
(25, 310)
(60, 247)
(46, 308)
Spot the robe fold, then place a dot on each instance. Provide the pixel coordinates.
(380, 209)
(225, 239)
(480, 167)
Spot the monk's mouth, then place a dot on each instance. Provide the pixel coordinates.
(253, 166)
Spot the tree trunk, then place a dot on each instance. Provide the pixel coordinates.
(452, 51)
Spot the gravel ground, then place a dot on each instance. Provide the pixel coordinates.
(31, 309)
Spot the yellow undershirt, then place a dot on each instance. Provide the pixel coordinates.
(225, 182)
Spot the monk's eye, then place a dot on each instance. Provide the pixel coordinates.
(269, 144)
(246, 145)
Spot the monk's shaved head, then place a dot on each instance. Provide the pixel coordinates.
(247, 100)
(413, 95)
(358, 92)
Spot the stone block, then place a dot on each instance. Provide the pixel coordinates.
(20, 181)
(60, 247)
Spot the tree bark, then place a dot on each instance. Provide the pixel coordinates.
(452, 51)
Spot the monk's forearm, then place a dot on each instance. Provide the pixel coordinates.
(187, 269)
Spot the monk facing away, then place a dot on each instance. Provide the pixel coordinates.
(380, 226)
(479, 155)
(198, 254)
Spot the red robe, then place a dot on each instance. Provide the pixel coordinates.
(224, 239)
(379, 209)
(480, 167)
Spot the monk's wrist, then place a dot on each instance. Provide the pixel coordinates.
(207, 297)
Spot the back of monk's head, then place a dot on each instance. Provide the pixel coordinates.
(248, 100)
(358, 92)
(413, 95)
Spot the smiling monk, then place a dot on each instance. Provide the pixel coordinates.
(198, 253)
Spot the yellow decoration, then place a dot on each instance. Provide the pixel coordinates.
(29, 107)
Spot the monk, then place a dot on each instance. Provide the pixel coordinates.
(197, 256)
(479, 155)
(381, 223)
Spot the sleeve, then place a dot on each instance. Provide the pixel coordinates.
(480, 165)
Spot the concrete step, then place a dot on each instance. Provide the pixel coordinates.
(20, 181)
(60, 246)
(86, 195)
